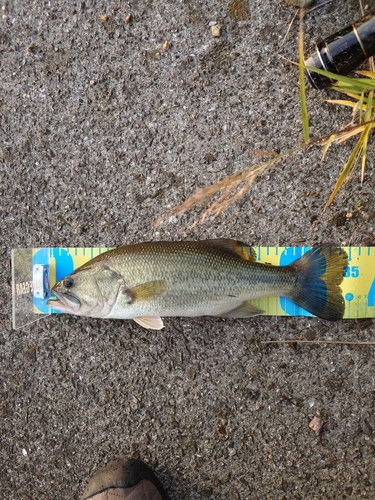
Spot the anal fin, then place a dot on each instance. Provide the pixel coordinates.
(244, 310)
(150, 322)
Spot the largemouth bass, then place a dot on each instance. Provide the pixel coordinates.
(146, 281)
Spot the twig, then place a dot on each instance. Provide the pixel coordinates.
(317, 6)
(289, 27)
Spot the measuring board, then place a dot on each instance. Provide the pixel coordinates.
(36, 270)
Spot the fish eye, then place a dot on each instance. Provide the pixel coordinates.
(68, 282)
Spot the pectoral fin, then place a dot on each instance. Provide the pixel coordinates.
(150, 322)
(244, 310)
(145, 291)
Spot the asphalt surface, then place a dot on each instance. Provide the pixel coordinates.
(102, 131)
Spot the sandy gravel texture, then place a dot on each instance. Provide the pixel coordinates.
(102, 131)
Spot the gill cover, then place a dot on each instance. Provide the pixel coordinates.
(89, 291)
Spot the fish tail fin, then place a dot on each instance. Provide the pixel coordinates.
(319, 275)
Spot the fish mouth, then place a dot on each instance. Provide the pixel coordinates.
(67, 302)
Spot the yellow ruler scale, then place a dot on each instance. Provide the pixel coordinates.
(358, 285)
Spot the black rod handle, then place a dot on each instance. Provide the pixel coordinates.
(343, 51)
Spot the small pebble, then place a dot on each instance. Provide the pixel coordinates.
(316, 425)
(216, 31)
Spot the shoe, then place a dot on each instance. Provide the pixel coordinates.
(128, 479)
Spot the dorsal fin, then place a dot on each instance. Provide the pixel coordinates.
(243, 250)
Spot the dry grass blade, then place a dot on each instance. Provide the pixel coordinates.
(327, 145)
(231, 188)
(343, 134)
(350, 104)
(346, 133)
(366, 73)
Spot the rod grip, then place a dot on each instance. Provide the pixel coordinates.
(343, 51)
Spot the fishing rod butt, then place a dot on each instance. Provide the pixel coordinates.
(342, 52)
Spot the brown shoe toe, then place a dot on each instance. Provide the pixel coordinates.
(128, 479)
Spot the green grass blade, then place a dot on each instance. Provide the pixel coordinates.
(369, 108)
(354, 84)
(305, 118)
(366, 133)
(346, 170)
(361, 106)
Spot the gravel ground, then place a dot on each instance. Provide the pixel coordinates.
(102, 131)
